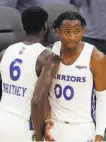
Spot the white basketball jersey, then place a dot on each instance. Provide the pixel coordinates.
(72, 92)
(19, 77)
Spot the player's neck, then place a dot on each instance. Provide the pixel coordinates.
(67, 52)
(31, 39)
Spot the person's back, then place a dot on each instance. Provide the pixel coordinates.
(21, 65)
(18, 78)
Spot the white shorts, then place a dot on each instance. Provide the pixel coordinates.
(14, 128)
(63, 132)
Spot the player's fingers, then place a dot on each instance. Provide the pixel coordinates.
(48, 137)
(48, 126)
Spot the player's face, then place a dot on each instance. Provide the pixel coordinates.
(70, 33)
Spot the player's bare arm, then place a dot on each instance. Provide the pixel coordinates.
(38, 108)
(98, 68)
(49, 124)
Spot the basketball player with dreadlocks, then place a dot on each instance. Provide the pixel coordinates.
(81, 72)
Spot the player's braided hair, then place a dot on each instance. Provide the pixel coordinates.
(68, 15)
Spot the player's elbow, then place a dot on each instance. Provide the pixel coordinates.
(39, 93)
(34, 102)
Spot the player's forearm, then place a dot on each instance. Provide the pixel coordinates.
(100, 113)
(99, 138)
(39, 113)
(38, 121)
(39, 110)
(48, 112)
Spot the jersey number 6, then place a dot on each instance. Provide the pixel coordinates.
(15, 69)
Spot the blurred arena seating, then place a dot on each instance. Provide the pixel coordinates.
(54, 11)
(11, 29)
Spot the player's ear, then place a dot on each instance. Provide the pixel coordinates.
(46, 26)
(57, 31)
(83, 29)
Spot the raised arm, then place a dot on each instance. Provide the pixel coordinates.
(98, 68)
(38, 104)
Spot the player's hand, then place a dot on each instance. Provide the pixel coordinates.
(49, 125)
(99, 138)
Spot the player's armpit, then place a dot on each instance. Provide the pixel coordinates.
(38, 104)
(98, 68)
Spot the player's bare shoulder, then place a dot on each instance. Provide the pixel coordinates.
(47, 57)
(98, 60)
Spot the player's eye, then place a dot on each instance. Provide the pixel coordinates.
(66, 32)
(77, 32)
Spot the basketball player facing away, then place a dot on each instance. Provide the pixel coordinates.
(21, 65)
(81, 72)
